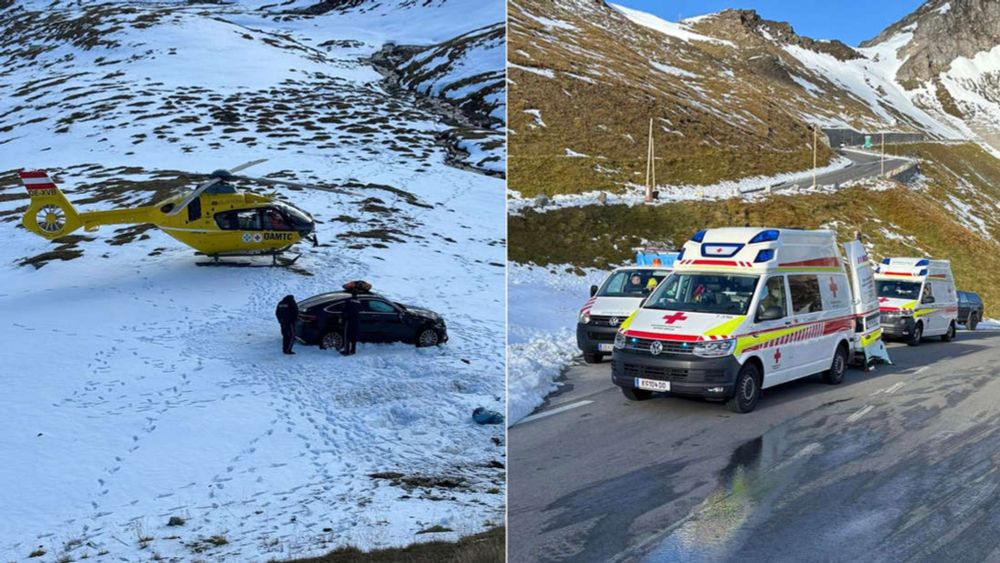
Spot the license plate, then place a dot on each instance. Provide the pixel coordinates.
(605, 347)
(652, 384)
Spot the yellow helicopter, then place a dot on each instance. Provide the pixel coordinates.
(215, 219)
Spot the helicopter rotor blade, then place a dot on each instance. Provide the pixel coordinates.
(275, 182)
(192, 196)
(246, 165)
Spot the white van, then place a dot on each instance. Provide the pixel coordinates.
(746, 309)
(612, 302)
(917, 298)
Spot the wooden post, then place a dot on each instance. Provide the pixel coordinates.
(815, 152)
(650, 170)
(883, 153)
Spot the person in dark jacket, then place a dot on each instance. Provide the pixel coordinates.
(352, 324)
(287, 313)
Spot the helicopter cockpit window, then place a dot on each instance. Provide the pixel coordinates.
(273, 219)
(296, 217)
(239, 220)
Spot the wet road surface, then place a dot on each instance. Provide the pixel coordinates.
(901, 463)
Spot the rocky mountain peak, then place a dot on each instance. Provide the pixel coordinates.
(942, 31)
(733, 23)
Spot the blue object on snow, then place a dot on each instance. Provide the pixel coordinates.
(483, 416)
(645, 257)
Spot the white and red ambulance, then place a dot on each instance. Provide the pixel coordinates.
(917, 298)
(612, 302)
(746, 309)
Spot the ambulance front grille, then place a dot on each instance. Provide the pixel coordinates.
(602, 336)
(598, 320)
(654, 372)
(642, 345)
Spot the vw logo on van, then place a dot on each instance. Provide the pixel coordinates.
(613, 321)
(656, 348)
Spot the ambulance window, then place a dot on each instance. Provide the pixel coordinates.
(773, 296)
(806, 297)
(928, 293)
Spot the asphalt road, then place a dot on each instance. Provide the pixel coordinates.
(864, 165)
(898, 464)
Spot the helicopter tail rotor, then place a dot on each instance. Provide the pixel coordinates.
(50, 214)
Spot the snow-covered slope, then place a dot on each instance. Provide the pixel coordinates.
(141, 387)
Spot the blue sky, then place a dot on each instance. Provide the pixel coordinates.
(851, 21)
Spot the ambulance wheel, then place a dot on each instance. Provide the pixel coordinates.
(917, 336)
(593, 357)
(950, 335)
(633, 394)
(747, 389)
(332, 340)
(835, 375)
(972, 322)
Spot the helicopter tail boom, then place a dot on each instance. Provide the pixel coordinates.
(50, 214)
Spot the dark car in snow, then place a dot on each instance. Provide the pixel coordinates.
(970, 309)
(382, 320)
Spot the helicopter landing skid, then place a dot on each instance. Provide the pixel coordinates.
(277, 259)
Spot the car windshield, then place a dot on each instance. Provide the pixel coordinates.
(899, 289)
(632, 283)
(704, 293)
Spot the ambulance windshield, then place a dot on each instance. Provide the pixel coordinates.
(704, 293)
(631, 283)
(899, 289)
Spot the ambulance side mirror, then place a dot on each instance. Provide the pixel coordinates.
(771, 313)
(593, 290)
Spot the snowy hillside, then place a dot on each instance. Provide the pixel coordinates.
(142, 387)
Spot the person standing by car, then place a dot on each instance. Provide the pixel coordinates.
(287, 312)
(352, 324)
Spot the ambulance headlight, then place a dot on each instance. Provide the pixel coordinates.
(714, 348)
(585, 317)
(619, 341)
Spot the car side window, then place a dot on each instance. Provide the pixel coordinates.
(806, 297)
(773, 296)
(335, 308)
(375, 306)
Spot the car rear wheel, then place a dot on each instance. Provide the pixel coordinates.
(427, 337)
(633, 394)
(950, 335)
(593, 357)
(917, 336)
(972, 322)
(835, 375)
(332, 340)
(747, 390)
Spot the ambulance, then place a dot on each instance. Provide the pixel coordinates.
(917, 298)
(746, 309)
(615, 299)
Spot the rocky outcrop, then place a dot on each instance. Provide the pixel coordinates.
(943, 30)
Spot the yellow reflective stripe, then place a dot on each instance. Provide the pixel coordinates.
(726, 328)
(628, 321)
(745, 342)
(870, 338)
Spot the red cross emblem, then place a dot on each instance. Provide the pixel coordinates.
(883, 299)
(833, 287)
(673, 318)
(777, 356)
